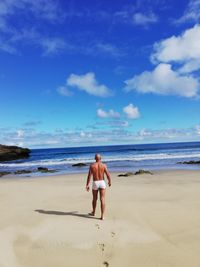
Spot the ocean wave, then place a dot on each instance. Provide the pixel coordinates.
(118, 148)
(141, 157)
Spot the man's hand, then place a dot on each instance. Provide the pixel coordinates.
(108, 175)
(87, 188)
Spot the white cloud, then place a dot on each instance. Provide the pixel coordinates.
(82, 134)
(166, 134)
(124, 124)
(170, 79)
(32, 123)
(33, 138)
(64, 91)
(163, 80)
(53, 45)
(98, 48)
(131, 111)
(47, 11)
(114, 123)
(197, 129)
(144, 19)
(136, 15)
(190, 66)
(101, 113)
(118, 124)
(110, 114)
(20, 133)
(191, 13)
(85, 135)
(183, 49)
(107, 49)
(37, 13)
(50, 46)
(93, 48)
(89, 84)
(8, 48)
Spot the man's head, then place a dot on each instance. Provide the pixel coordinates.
(97, 157)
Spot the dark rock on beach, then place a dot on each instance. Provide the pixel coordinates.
(136, 173)
(22, 171)
(13, 152)
(126, 174)
(143, 172)
(4, 173)
(40, 169)
(44, 169)
(189, 162)
(79, 164)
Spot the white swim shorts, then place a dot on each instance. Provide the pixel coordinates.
(100, 184)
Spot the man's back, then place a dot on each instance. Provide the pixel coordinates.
(98, 169)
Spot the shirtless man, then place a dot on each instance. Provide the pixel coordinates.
(97, 170)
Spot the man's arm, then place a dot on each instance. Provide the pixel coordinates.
(108, 175)
(88, 179)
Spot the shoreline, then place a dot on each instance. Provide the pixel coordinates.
(119, 158)
(60, 174)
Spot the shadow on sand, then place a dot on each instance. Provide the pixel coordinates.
(69, 213)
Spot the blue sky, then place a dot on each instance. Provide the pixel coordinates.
(78, 73)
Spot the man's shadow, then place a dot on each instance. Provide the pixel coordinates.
(69, 213)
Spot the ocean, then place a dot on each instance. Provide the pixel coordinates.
(120, 158)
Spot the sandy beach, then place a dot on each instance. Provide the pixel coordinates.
(150, 220)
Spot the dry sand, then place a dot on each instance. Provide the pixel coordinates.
(151, 221)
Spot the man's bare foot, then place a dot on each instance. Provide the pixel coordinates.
(102, 218)
(91, 213)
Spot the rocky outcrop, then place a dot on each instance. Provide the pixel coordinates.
(143, 172)
(22, 171)
(189, 162)
(39, 169)
(136, 173)
(44, 169)
(126, 174)
(79, 164)
(4, 173)
(8, 153)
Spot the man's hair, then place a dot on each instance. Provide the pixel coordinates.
(97, 156)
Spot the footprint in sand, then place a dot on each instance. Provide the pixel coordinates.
(97, 225)
(112, 234)
(105, 263)
(102, 247)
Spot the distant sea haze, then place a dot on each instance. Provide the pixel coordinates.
(119, 158)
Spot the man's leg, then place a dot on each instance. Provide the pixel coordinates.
(94, 201)
(102, 198)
